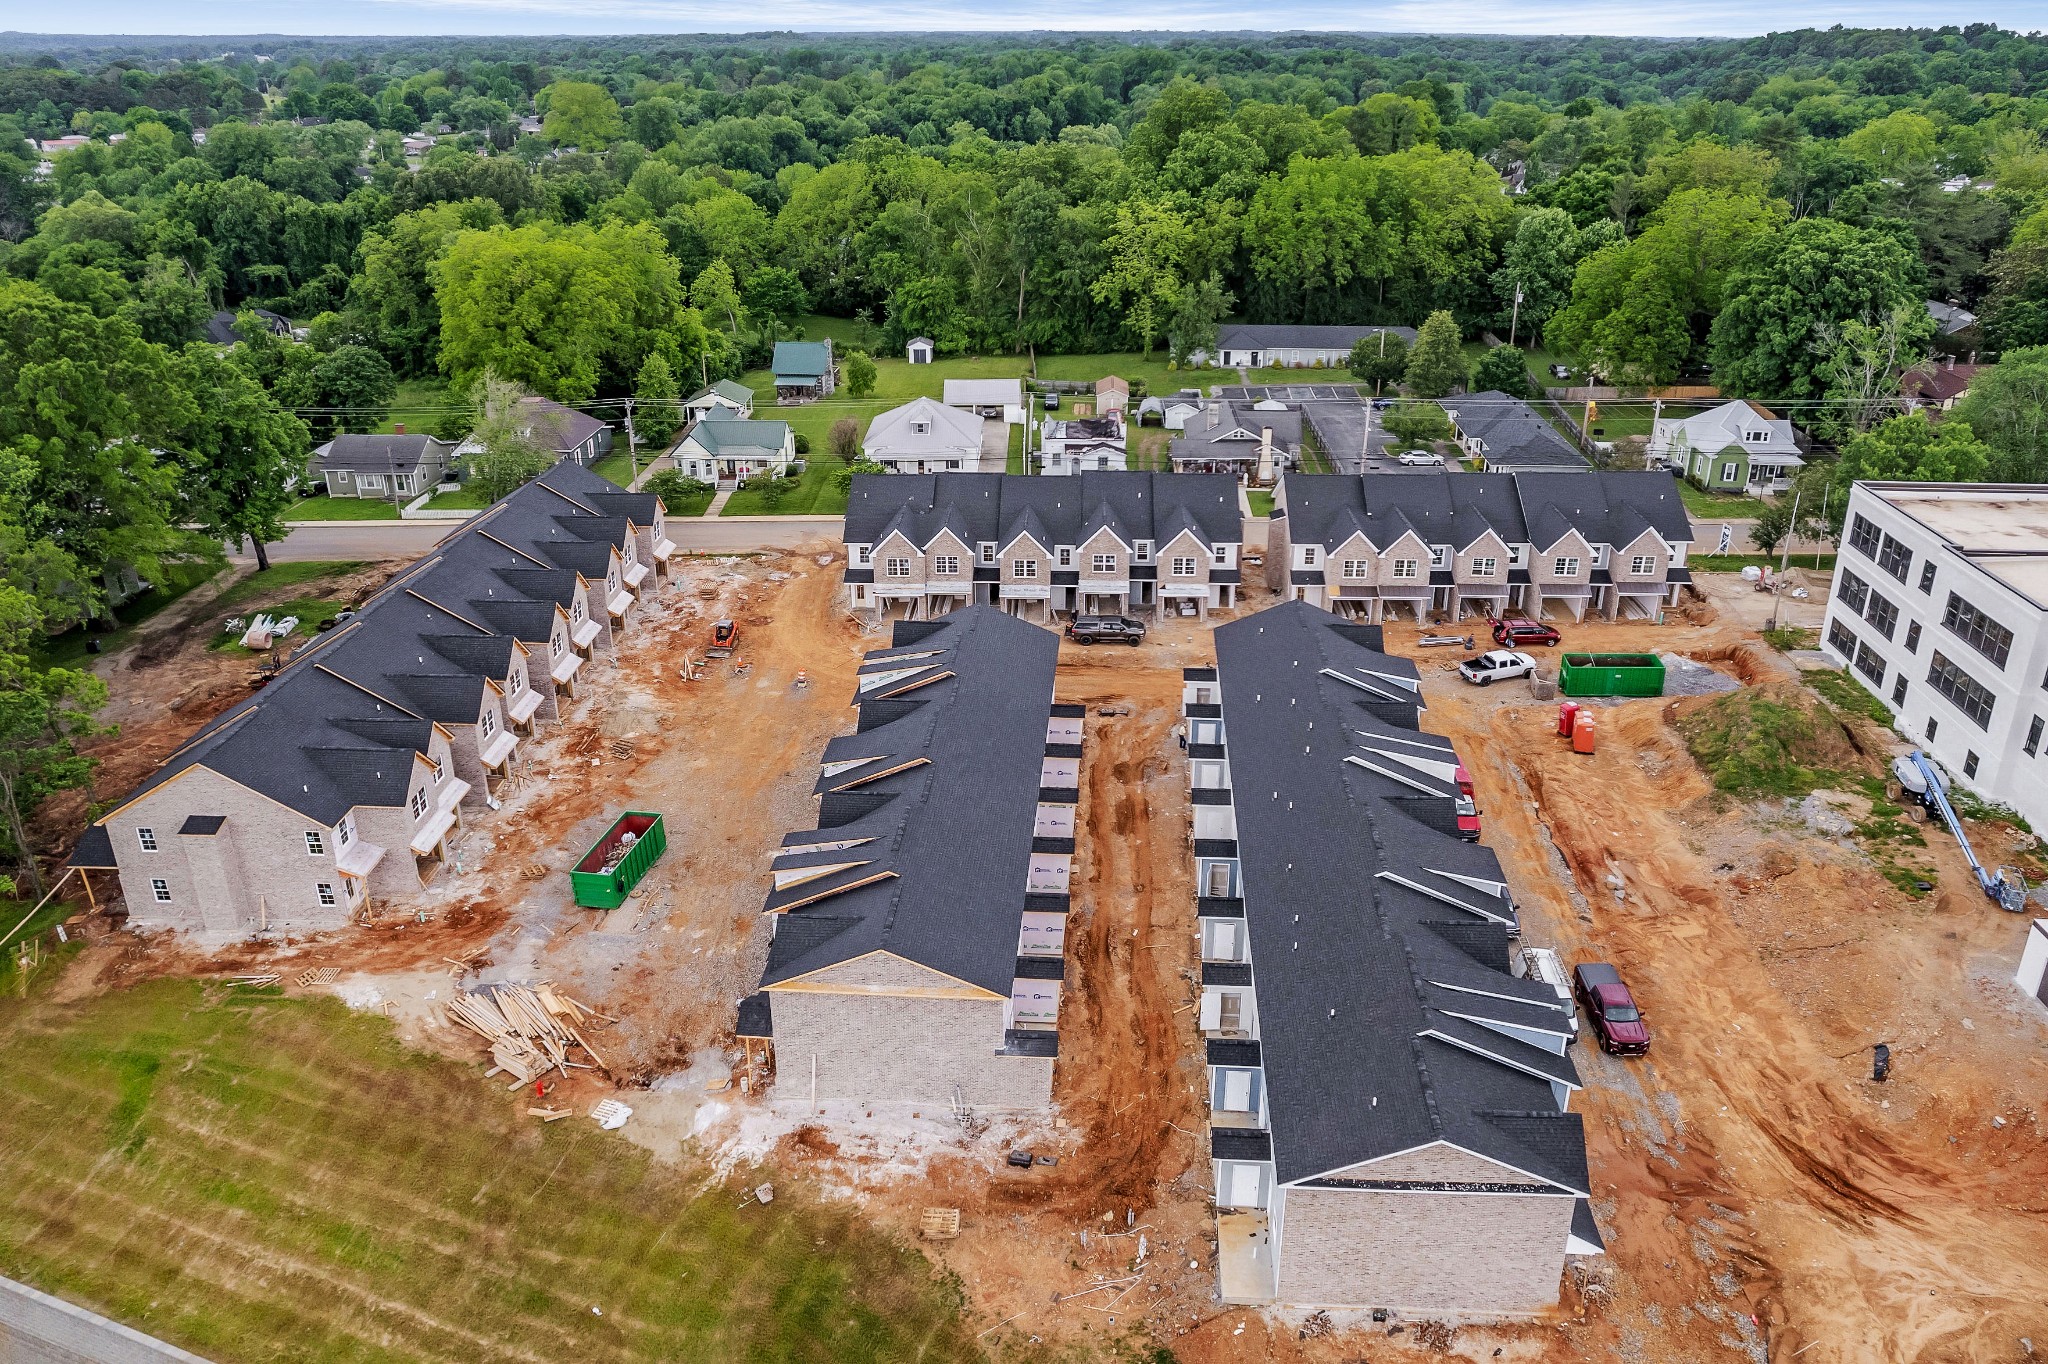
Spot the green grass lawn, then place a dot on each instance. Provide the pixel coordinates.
(617, 468)
(342, 509)
(418, 405)
(1261, 501)
(68, 650)
(466, 498)
(1148, 449)
(1725, 506)
(1016, 464)
(1735, 563)
(255, 1177)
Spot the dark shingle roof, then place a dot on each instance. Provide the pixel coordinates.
(1055, 511)
(342, 724)
(564, 428)
(382, 453)
(940, 780)
(1513, 433)
(1382, 1004)
(1443, 507)
(1282, 337)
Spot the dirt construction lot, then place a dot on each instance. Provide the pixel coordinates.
(1761, 1197)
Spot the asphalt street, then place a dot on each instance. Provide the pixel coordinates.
(409, 539)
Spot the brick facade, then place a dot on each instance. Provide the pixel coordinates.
(1474, 1254)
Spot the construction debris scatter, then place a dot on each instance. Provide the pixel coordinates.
(530, 1029)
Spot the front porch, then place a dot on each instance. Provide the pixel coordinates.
(1247, 1265)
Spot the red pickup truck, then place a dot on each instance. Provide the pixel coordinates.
(1610, 1009)
(1519, 632)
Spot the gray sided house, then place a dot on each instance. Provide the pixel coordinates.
(925, 436)
(1508, 436)
(725, 397)
(805, 371)
(342, 780)
(572, 435)
(397, 467)
(1735, 447)
(1258, 347)
(1251, 441)
(1413, 546)
(926, 544)
(1388, 1102)
(920, 929)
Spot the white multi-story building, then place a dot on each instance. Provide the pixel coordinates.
(1940, 607)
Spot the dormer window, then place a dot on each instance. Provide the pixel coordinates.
(863, 555)
(1066, 556)
(1308, 556)
(1142, 551)
(1439, 556)
(988, 551)
(921, 428)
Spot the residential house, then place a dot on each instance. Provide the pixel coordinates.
(805, 371)
(1509, 436)
(1259, 347)
(1253, 442)
(1378, 547)
(920, 350)
(1940, 608)
(925, 436)
(924, 545)
(1952, 318)
(1070, 445)
(725, 397)
(1938, 386)
(572, 435)
(1389, 1122)
(1738, 446)
(1112, 395)
(220, 328)
(395, 467)
(920, 929)
(343, 779)
(1002, 399)
(726, 450)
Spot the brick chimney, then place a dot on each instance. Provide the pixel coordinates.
(398, 428)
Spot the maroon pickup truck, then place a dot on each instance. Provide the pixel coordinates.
(1611, 1009)
(1519, 632)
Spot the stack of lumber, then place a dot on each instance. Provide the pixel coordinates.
(530, 1028)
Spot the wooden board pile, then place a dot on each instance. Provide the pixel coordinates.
(529, 1028)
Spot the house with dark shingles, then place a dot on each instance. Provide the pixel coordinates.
(400, 465)
(1508, 436)
(341, 781)
(1238, 438)
(1389, 1123)
(572, 435)
(1413, 546)
(920, 545)
(805, 371)
(1250, 346)
(920, 929)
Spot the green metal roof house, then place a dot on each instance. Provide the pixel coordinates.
(723, 449)
(804, 370)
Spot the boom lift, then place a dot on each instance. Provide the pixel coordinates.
(1919, 778)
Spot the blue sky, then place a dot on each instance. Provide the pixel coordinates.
(1663, 18)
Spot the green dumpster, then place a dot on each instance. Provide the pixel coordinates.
(1611, 675)
(618, 861)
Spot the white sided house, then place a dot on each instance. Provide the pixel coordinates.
(1290, 347)
(925, 436)
(920, 929)
(1940, 608)
(1412, 546)
(918, 547)
(1389, 1123)
(726, 450)
(342, 780)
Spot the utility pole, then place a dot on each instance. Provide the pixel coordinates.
(632, 448)
(1514, 317)
(1784, 562)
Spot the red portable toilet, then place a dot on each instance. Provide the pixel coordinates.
(1565, 716)
(1582, 732)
